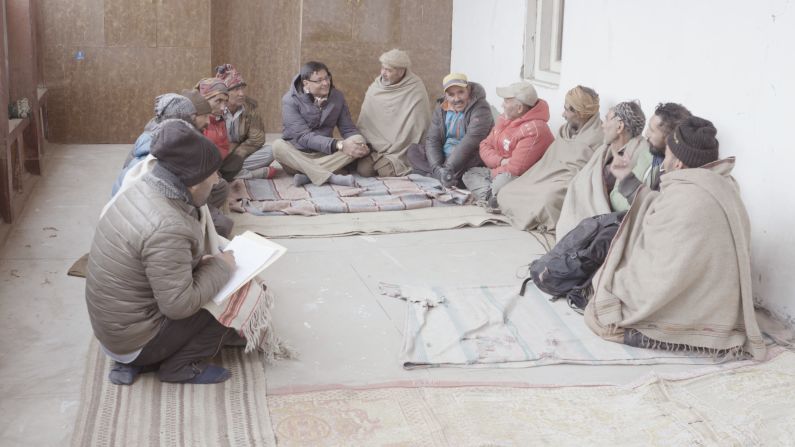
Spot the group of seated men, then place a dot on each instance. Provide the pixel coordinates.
(677, 275)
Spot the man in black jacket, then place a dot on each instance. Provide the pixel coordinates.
(461, 120)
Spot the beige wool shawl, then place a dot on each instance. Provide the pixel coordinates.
(587, 194)
(679, 269)
(533, 201)
(393, 117)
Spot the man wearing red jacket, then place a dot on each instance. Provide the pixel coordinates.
(518, 140)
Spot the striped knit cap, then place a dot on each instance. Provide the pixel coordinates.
(229, 74)
(211, 87)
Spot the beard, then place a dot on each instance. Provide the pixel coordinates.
(656, 151)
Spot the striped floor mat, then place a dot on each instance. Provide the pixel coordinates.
(152, 413)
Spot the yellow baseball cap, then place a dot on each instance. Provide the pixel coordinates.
(459, 79)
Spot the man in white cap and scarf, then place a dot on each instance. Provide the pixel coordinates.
(395, 114)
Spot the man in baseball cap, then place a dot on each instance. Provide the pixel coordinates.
(518, 140)
(458, 125)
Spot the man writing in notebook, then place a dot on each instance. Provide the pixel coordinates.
(148, 274)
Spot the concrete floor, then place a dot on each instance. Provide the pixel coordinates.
(326, 289)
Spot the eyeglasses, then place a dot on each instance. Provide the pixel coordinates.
(319, 81)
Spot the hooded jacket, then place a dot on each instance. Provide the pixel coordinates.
(523, 141)
(308, 127)
(476, 124)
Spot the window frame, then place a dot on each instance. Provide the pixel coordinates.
(543, 41)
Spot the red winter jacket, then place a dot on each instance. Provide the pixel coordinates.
(522, 141)
(216, 132)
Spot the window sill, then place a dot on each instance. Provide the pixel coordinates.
(544, 84)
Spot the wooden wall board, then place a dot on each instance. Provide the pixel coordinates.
(180, 23)
(351, 49)
(262, 40)
(21, 52)
(132, 54)
(130, 23)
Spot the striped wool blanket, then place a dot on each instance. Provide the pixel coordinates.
(153, 413)
(491, 326)
(280, 196)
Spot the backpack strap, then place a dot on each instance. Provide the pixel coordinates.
(524, 285)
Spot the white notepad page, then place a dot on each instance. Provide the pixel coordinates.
(253, 254)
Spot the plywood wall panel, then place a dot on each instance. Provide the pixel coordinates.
(262, 39)
(327, 21)
(107, 97)
(71, 22)
(130, 23)
(426, 32)
(421, 28)
(113, 95)
(428, 25)
(353, 67)
(21, 53)
(377, 22)
(183, 23)
(135, 53)
(3, 91)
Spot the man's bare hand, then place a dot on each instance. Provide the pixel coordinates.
(355, 150)
(621, 166)
(228, 257)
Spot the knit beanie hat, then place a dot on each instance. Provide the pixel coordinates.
(211, 87)
(184, 152)
(229, 74)
(172, 105)
(693, 142)
(201, 104)
(395, 58)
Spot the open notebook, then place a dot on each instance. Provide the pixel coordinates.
(253, 254)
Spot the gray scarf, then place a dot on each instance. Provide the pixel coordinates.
(165, 182)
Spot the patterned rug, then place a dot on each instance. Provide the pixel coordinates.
(744, 406)
(152, 413)
(491, 326)
(264, 197)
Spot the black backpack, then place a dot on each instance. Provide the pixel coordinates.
(566, 270)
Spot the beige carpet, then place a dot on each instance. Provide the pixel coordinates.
(425, 219)
(151, 413)
(743, 406)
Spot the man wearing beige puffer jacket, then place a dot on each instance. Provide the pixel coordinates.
(148, 277)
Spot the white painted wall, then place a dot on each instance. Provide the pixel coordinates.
(730, 61)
